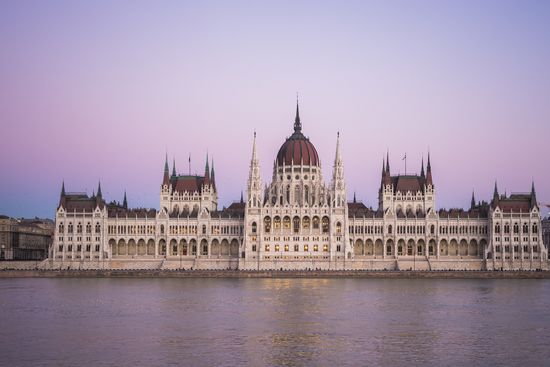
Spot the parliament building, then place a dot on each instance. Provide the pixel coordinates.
(299, 221)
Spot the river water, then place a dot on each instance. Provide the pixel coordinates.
(274, 322)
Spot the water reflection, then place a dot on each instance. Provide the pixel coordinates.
(287, 322)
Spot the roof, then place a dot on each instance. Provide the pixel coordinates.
(405, 183)
(115, 210)
(360, 210)
(190, 184)
(81, 202)
(515, 203)
(297, 149)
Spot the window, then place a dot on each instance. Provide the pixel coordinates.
(338, 248)
(315, 222)
(254, 248)
(96, 248)
(306, 248)
(254, 227)
(60, 249)
(266, 248)
(286, 223)
(203, 229)
(390, 229)
(277, 248)
(286, 248)
(325, 224)
(338, 228)
(296, 247)
(267, 224)
(325, 248)
(315, 248)
(296, 224)
(305, 223)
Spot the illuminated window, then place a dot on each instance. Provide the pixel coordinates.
(267, 224)
(286, 248)
(315, 222)
(325, 248)
(306, 248)
(315, 248)
(266, 248)
(277, 223)
(286, 223)
(277, 247)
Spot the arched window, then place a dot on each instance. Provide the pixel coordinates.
(390, 229)
(497, 228)
(306, 195)
(305, 223)
(315, 222)
(89, 227)
(516, 228)
(254, 227)
(203, 229)
(61, 228)
(297, 195)
(97, 228)
(162, 229)
(288, 194)
(432, 229)
(79, 228)
(525, 228)
(296, 224)
(535, 228)
(277, 222)
(325, 224)
(506, 228)
(338, 228)
(286, 223)
(267, 224)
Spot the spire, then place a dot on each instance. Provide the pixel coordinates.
(125, 201)
(242, 201)
(206, 169)
(254, 155)
(99, 189)
(212, 174)
(337, 157)
(429, 179)
(166, 178)
(297, 123)
(174, 168)
(388, 161)
(354, 197)
(422, 168)
(495, 192)
(533, 194)
(63, 188)
(473, 202)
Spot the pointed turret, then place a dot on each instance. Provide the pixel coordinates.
(297, 123)
(63, 188)
(254, 189)
(422, 168)
(388, 162)
(213, 175)
(473, 202)
(429, 180)
(125, 201)
(166, 178)
(354, 197)
(533, 195)
(174, 168)
(206, 171)
(242, 200)
(62, 199)
(338, 184)
(99, 194)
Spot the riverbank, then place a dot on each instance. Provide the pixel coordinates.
(273, 274)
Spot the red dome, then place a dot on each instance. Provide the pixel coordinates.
(298, 150)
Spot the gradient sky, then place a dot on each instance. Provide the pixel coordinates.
(103, 89)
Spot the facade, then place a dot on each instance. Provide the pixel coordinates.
(25, 239)
(299, 221)
(546, 230)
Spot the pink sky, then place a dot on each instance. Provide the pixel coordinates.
(103, 90)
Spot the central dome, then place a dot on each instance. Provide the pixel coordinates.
(297, 149)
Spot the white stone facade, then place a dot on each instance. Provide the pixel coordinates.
(297, 221)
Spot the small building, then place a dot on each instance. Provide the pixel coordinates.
(25, 239)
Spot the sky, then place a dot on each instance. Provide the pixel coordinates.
(103, 90)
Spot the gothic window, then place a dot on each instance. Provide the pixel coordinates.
(266, 248)
(267, 224)
(254, 227)
(506, 228)
(277, 248)
(338, 228)
(315, 222)
(296, 247)
(204, 229)
(390, 229)
(296, 224)
(325, 225)
(315, 248)
(286, 223)
(497, 228)
(288, 194)
(516, 228)
(306, 223)
(89, 227)
(61, 228)
(535, 228)
(525, 228)
(306, 248)
(286, 248)
(325, 248)
(432, 229)
(79, 228)
(306, 195)
(277, 223)
(162, 229)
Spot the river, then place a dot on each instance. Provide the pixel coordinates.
(274, 322)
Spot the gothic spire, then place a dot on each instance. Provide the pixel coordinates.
(533, 194)
(429, 179)
(242, 201)
(63, 188)
(473, 202)
(174, 168)
(388, 161)
(125, 201)
(422, 168)
(212, 174)
(206, 169)
(495, 192)
(99, 189)
(166, 177)
(297, 123)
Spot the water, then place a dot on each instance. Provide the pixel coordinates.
(288, 322)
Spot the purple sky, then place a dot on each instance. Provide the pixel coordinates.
(102, 89)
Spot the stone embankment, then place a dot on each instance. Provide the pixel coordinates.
(273, 274)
